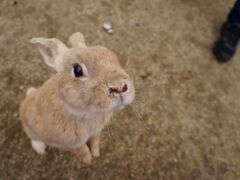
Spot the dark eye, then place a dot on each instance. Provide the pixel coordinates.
(77, 69)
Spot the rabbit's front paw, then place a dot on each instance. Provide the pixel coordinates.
(93, 144)
(83, 153)
(95, 152)
(87, 159)
(38, 146)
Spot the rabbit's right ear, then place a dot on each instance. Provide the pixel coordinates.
(50, 49)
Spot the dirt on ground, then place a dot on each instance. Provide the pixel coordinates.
(184, 123)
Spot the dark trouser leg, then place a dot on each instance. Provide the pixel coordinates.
(234, 15)
(225, 48)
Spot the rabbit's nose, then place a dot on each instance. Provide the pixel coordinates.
(118, 90)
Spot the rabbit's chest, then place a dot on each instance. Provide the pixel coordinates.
(75, 133)
(86, 132)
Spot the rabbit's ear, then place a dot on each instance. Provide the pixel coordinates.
(77, 40)
(50, 49)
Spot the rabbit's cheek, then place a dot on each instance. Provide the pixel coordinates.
(100, 99)
(103, 105)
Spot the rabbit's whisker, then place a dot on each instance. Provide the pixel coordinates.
(109, 132)
(139, 116)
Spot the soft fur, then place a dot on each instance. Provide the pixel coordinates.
(70, 112)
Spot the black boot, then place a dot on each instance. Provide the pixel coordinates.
(225, 48)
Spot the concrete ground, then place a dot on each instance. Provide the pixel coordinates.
(185, 121)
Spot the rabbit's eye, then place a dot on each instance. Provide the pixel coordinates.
(77, 69)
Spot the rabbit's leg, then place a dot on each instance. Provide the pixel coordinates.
(83, 154)
(38, 146)
(93, 144)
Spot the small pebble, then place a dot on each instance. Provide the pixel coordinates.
(132, 175)
(21, 87)
(107, 26)
(15, 114)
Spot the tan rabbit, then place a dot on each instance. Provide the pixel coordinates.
(71, 108)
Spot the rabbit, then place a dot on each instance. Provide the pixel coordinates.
(70, 109)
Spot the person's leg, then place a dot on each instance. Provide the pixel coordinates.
(225, 48)
(234, 15)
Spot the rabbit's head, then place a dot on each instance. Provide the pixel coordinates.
(90, 79)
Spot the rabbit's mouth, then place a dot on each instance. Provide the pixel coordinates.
(119, 101)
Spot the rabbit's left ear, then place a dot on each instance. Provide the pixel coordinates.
(77, 40)
(50, 49)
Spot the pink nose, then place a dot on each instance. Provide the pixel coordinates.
(119, 90)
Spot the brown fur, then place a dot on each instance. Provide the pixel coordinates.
(70, 112)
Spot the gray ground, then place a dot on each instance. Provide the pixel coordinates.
(189, 103)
